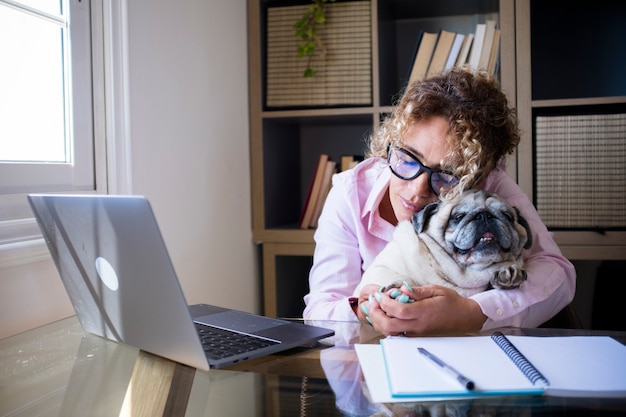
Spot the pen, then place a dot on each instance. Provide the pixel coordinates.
(463, 380)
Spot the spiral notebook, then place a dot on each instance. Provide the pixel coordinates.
(569, 366)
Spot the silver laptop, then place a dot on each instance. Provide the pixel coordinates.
(117, 272)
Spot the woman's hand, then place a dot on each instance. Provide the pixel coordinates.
(435, 310)
(362, 309)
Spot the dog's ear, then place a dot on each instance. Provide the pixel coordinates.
(421, 218)
(521, 220)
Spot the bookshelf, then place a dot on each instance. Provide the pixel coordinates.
(569, 67)
(286, 141)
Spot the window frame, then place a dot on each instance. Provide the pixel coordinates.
(78, 174)
(20, 238)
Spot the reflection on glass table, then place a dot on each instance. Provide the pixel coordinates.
(58, 370)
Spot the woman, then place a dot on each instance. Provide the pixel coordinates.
(448, 133)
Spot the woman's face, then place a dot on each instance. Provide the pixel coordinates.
(426, 140)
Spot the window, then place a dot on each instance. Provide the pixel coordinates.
(46, 107)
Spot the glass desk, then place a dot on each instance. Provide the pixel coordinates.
(59, 370)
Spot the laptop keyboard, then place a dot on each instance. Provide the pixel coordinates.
(219, 343)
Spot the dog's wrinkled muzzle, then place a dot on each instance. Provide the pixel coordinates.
(482, 239)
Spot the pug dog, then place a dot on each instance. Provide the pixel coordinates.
(470, 243)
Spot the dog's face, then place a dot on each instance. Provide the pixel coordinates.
(477, 228)
(466, 243)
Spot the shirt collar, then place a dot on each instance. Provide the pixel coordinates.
(376, 225)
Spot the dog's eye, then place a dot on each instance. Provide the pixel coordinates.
(457, 217)
(509, 215)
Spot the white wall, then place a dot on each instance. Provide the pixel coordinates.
(189, 130)
(188, 108)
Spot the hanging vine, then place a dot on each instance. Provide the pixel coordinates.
(306, 29)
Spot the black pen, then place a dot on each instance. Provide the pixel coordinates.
(463, 380)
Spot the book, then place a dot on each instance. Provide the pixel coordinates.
(423, 53)
(485, 53)
(349, 161)
(495, 53)
(573, 366)
(477, 45)
(314, 188)
(324, 189)
(465, 49)
(441, 52)
(455, 50)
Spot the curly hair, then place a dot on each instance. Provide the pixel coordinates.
(483, 128)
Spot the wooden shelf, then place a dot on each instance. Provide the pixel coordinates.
(576, 102)
(286, 142)
(589, 81)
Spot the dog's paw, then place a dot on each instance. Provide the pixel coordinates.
(393, 290)
(510, 277)
(390, 286)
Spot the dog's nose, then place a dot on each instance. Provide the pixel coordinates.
(485, 216)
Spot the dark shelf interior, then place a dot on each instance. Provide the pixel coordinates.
(577, 49)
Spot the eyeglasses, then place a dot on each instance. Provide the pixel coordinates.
(406, 166)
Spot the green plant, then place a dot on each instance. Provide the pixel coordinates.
(306, 29)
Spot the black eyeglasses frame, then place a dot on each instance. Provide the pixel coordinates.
(422, 168)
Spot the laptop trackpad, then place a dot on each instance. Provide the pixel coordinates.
(239, 321)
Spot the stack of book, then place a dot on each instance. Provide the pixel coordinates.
(318, 190)
(320, 186)
(435, 52)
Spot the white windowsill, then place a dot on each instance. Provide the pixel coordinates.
(21, 243)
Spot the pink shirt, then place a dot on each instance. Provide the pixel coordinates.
(351, 233)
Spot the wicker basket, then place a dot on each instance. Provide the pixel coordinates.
(581, 171)
(344, 73)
